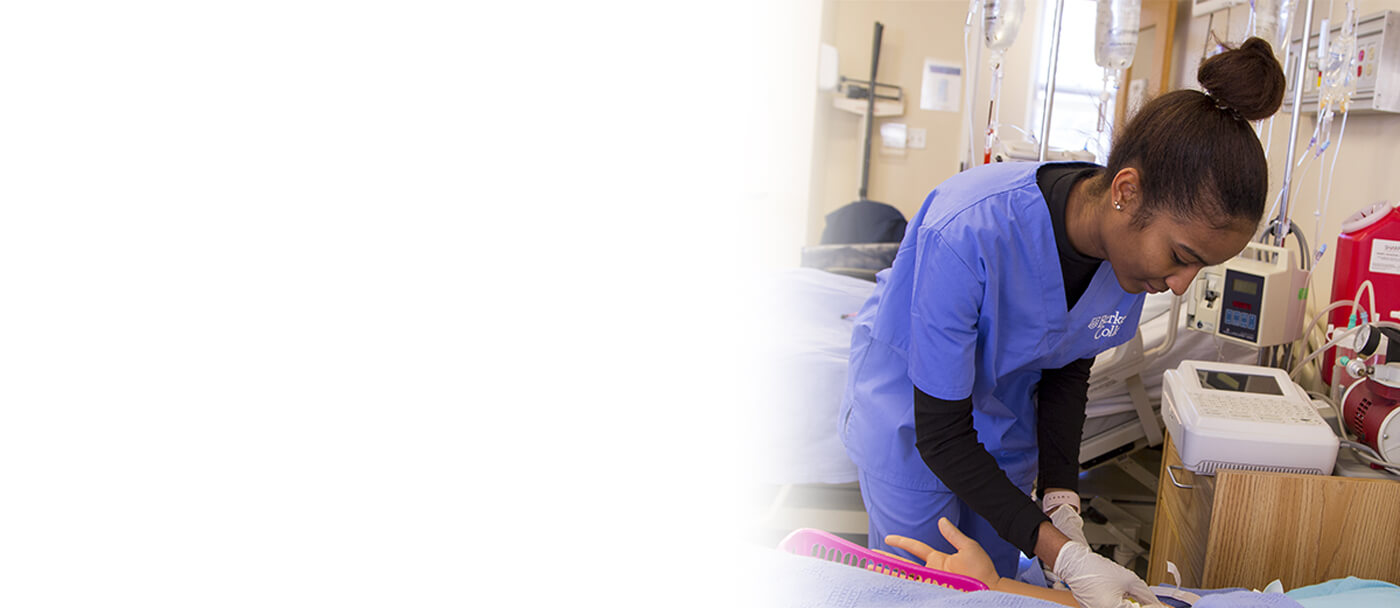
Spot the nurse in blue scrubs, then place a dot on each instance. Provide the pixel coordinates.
(970, 362)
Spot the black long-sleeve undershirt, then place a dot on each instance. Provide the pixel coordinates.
(947, 441)
(1062, 396)
(948, 444)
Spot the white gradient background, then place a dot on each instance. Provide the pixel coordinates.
(381, 303)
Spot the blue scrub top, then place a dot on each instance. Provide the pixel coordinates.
(973, 305)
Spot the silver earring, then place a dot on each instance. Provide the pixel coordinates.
(1117, 205)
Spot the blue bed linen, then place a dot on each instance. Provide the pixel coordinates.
(1349, 592)
(1250, 599)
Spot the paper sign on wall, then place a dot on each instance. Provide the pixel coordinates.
(942, 85)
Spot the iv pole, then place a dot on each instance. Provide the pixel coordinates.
(1280, 225)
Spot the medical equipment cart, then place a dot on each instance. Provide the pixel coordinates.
(1246, 528)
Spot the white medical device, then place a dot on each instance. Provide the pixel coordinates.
(1232, 416)
(1377, 65)
(1255, 299)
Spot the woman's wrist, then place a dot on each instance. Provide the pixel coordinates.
(1048, 543)
(1054, 497)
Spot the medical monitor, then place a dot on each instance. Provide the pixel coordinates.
(1233, 416)
(1238, 382)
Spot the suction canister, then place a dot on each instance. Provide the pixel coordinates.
(1368, 248)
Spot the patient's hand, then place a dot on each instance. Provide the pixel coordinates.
(970, 559)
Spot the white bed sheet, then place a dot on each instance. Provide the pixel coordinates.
(808, 350)
(808, 346)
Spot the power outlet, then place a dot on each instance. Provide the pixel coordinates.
(918, 138)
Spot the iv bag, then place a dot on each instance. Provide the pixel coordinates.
(1116, 34)
(1266, 20)
(1336, 57)
(1272, 21)
(1337, 61)
(1001, 19)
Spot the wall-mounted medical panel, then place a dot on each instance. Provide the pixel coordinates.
(1377, 66)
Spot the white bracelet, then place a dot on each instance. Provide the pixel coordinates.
(1059, 497)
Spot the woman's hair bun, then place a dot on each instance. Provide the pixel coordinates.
(1248, 79)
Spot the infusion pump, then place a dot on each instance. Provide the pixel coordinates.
(1256, 299)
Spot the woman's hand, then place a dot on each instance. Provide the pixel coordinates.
(969, 560)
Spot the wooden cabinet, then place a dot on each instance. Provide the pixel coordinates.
(1245, 528)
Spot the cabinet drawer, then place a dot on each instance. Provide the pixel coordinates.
(1247, 528)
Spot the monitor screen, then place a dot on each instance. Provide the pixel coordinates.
(1244, 286)
(1238, 382)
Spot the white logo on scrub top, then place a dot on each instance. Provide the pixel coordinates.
(1106, 326)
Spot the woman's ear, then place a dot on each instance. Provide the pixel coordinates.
(1126, 190)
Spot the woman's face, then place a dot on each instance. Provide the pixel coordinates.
(1167, 252)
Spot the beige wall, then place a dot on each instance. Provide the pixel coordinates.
(788, 104)
(1367, 168)
(827, 120)
(914, 30)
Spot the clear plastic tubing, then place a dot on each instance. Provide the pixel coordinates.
(1001, 20)
(1116, 33)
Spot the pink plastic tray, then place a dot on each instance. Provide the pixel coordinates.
(827, 546)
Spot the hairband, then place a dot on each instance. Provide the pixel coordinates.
(1221, 105)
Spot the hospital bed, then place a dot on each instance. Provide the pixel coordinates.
(809, 317)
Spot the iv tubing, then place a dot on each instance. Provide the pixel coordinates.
(1341, 428)
(1323, 313)
(1324, 197)
(1050, 82)
(1329, 344)
(1356, 301)
(1282, 193)
(1335, 341)
(970, 67)
(1333, 306)
(1369, 455)
(1293, 123)
(1331, 172)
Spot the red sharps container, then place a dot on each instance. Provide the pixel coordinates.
(1368, 248)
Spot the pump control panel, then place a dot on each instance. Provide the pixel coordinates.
(1255, 299)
